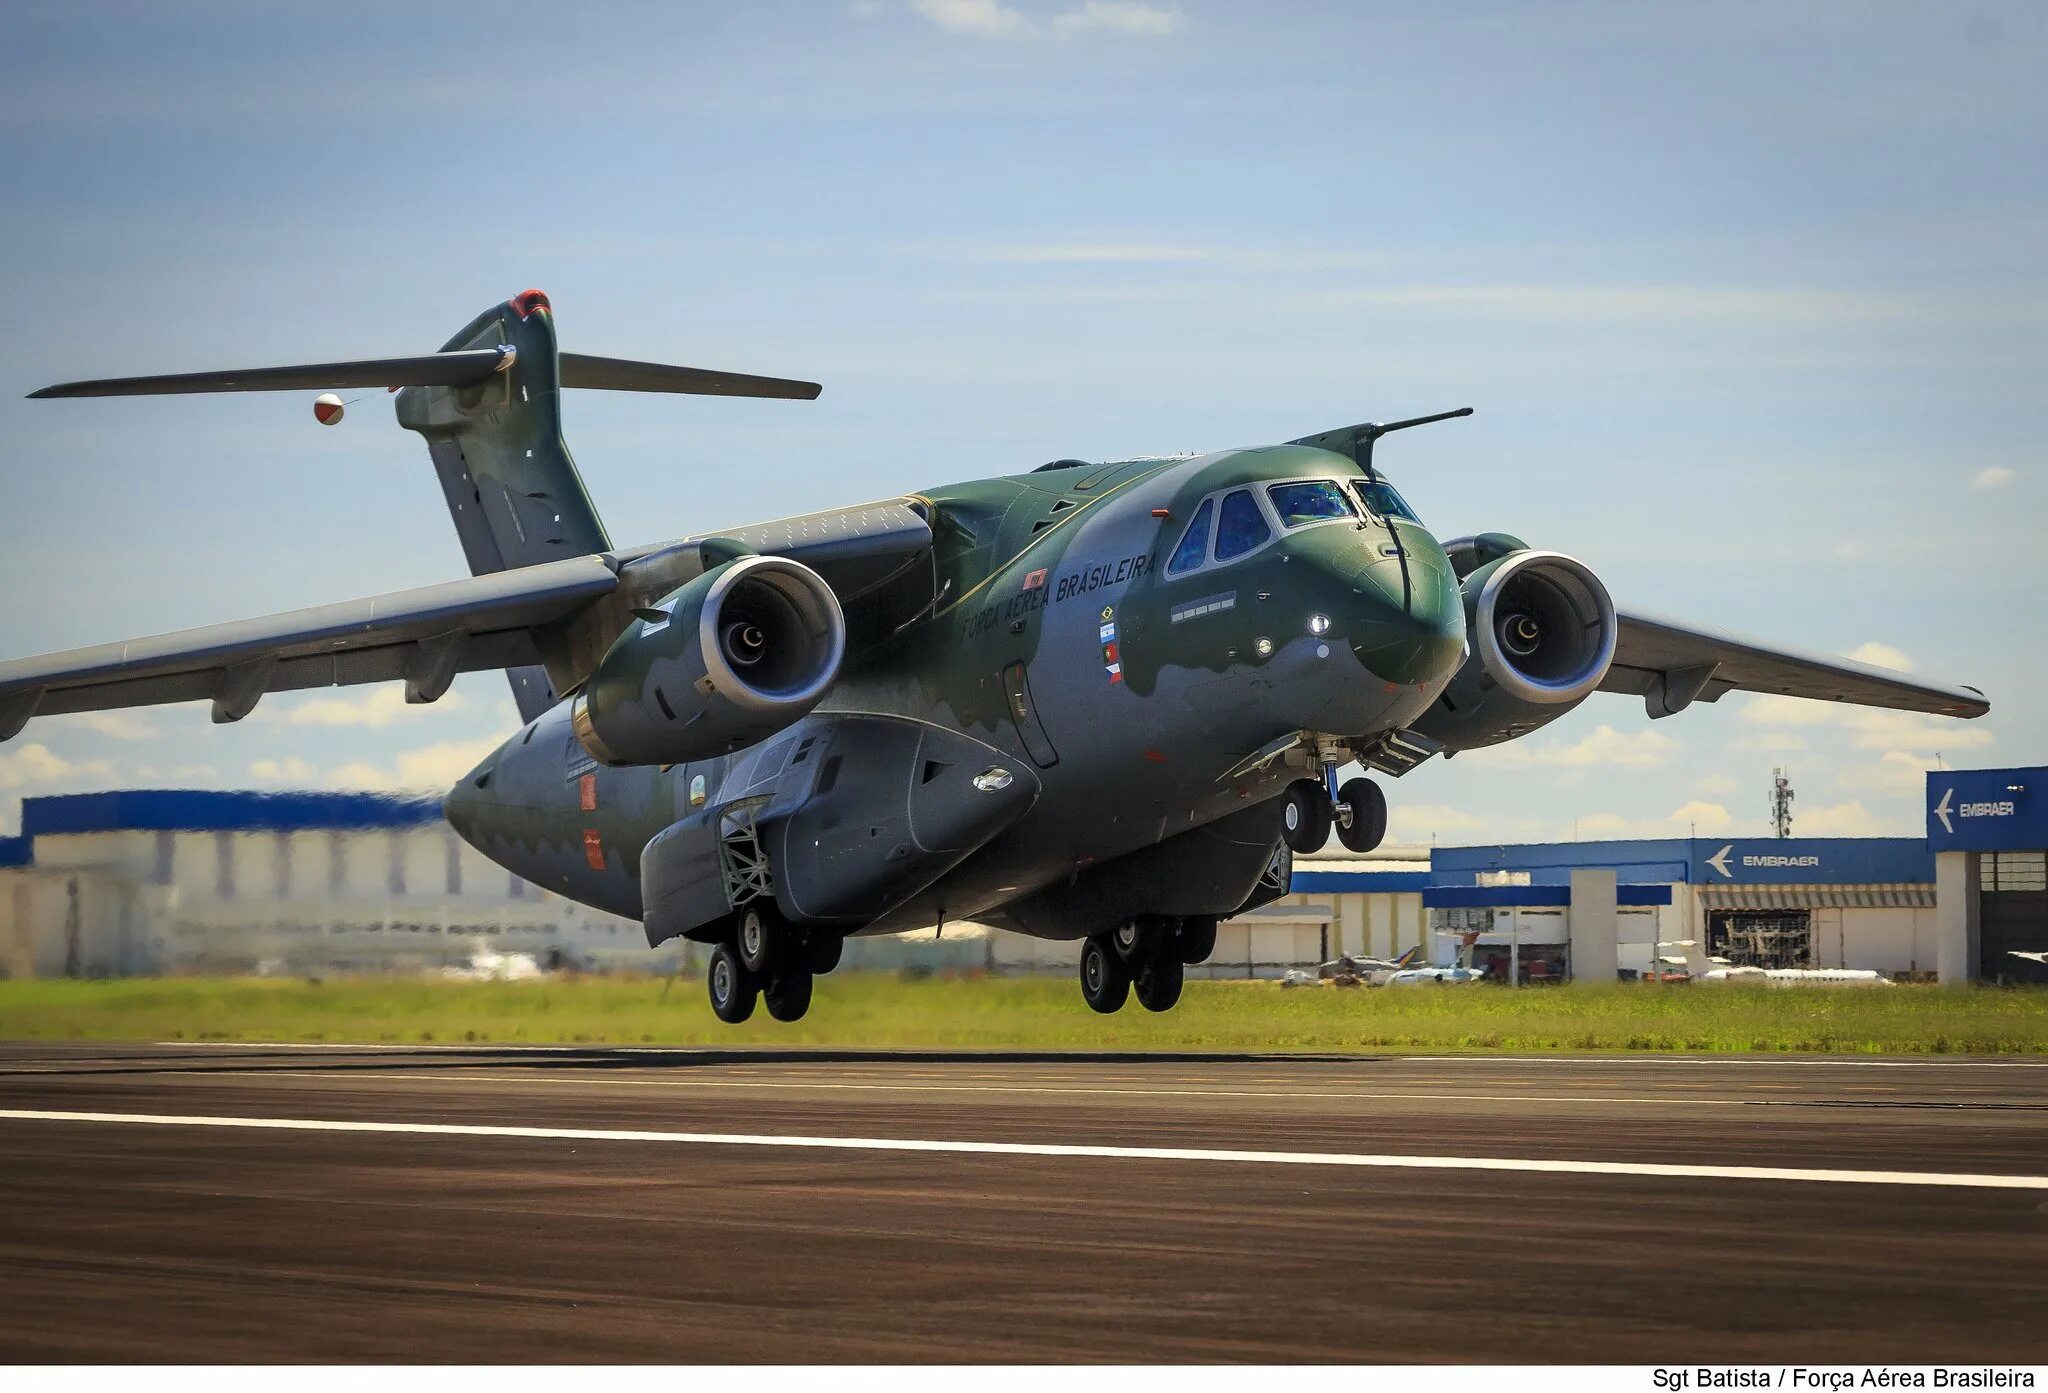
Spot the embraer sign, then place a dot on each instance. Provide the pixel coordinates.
(1987, 810)
(1810, 861)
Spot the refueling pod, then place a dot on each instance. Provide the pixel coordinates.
(723, 662)
(1542, 629)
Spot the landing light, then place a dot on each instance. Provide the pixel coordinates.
(993, 779)
(1319, 624)
(1265, 647)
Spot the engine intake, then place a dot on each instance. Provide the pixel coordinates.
(724, 662)
(1543, 631)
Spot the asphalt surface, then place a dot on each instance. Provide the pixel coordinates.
(184, 1241)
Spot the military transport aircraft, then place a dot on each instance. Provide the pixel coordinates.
(1099, 701)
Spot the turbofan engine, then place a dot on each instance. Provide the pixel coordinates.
(724, 662)
(1542, 631)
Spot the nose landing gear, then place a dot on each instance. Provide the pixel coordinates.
(1311, 809)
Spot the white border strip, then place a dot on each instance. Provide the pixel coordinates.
(1945, 1180)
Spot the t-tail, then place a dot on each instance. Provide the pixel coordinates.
(489, 405)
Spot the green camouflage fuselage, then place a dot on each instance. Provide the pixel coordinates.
(1059, 635)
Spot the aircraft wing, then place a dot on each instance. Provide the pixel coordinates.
(424, 636)
(1671, 664)
(427, 635)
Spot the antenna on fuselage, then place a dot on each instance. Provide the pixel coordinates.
(1363, 437)
(1357, 441)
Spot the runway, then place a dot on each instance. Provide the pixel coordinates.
(276, 1203)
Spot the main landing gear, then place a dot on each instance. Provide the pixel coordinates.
(767, 959)
(1357, 811)
(1147, 953)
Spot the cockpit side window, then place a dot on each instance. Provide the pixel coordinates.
(1309, 501)
(1194, 543)
(1380, 497)
(1240, 525)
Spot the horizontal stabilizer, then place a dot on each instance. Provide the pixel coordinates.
(461, 369)
(625, 375)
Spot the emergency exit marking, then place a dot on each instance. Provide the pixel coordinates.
(593, 849)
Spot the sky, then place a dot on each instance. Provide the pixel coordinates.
(1748, 298)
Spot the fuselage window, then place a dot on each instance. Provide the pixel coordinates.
(1381, 498)
(1240, 525)
(1194, 543)
(1312, 500)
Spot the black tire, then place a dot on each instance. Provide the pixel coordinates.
(1159, 982)
(1132, 940)
(788, 994)
(1305, 815)
(1105, 978)
(733, 989)
(1367, 826)
(823, 948)
(1197, 939)
(761, 936)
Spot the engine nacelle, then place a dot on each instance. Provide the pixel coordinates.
(724, 662)
(1542, 631)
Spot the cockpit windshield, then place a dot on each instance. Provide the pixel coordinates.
(1310, 500)
(1380, 497)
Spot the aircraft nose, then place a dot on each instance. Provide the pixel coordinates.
(1411, 629)
(463, 805)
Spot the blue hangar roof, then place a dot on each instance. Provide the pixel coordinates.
(192, 810)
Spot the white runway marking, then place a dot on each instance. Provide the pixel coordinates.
(1943, 1180)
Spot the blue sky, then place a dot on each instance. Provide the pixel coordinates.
(1749, 298)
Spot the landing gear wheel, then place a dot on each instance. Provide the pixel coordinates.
(1105, 980)
(1159, 982)
(823, 950)
(761, 936)
(1366, 828)
(1197, 939)
(788, 994)
(1132, 940)
(1305, 815)
(733, 988)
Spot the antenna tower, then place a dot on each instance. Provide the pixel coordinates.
(1781, 804)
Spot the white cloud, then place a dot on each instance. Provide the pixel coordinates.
(1771, 741)
(987, 18)
(1689, 303)
(1718, 783)
(1849, 819)
(1118, 17)
(289, 770)
(1080, 253)
(1882, 655)
(374, 707)
(38, 764)
(115, 725)
(1423, 822)
(431, 769)
(991, 19)
(1770, 709)
(177, 776)
(1996, 476)
(1702, 818)
(1895, 772)
(1603, 746)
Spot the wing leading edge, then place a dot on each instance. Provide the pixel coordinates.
(558, 614)
(1671, 664)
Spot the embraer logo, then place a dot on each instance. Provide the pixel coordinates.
(2003, 807)
(1719, 861)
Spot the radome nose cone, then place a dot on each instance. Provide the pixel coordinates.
(1414, 631)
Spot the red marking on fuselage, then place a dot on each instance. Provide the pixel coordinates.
(593, 849)
(586, 793)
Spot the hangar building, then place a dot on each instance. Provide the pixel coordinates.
(135, 883)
